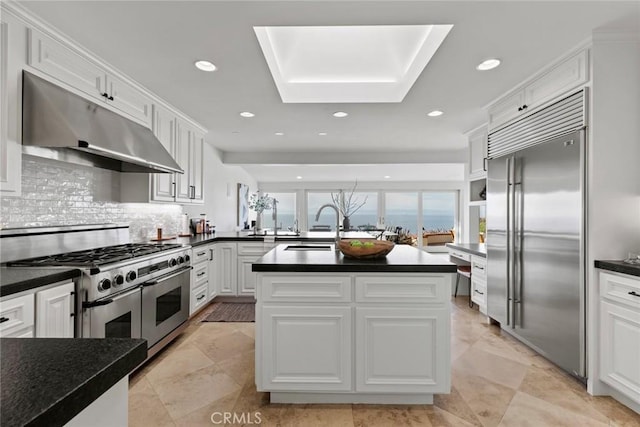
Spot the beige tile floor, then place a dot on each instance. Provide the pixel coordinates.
(496, 381)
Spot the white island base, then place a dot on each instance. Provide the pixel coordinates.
(370, 337)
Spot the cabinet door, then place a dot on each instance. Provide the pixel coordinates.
(129, 100)
(620, 349)
(423, 367)
(16, 315)
(196, 169)
(12, 60)
(505, 110)
(55, 311)
(246, 278)
(56, 60)
(213, 271)
(227, 269)
(164, 128)
(477, 153)
(561, 79)
(306, 348)
(183, 138)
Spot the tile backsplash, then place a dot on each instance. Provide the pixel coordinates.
(56, 193)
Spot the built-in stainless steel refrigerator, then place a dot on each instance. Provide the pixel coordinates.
(535, 232)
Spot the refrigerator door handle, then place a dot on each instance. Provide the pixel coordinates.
(512, 248)
(518, 237)
(508, 237)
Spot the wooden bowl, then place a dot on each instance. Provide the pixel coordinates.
(379, 249)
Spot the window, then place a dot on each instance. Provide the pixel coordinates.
(286, 212)
(401, 210)
(438, 211)
(327, 220)
(367, 215)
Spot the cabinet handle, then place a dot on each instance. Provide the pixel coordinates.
(192, 191)
(635, 294)
(106, 95)
(110, 98)
(201, 253)
(4, 319)
(484, 164)
(201, 274)
(478, 267)
(173, 189)
(519, 108)
(200, 297)
(478, 292)
(524, 107)
(210, 254)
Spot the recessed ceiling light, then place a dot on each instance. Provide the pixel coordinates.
(235, 131)
(488, 64)
(322, 133)
(435, 113)
(279, 133)
(205, 66)
(298, 177)
(387, 177)
(340, 114)
(247, 114)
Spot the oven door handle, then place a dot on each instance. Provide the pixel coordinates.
(168, 276)
(107, 301)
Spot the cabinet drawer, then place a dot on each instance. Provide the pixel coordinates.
(478, 291)
(620, 288)
(306, 288)
(478, 267)
(403, 288)
(253, 248)
(455, 253)
(16, 314)
(200, 254)
(198, 297)
(200, 273)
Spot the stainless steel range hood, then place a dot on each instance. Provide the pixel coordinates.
(60, 125)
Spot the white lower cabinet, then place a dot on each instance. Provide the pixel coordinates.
(227, 267)
(395, 349)
(620, 334)
(309, 348)
(353, 338)
(55, 312)
(246, 277)
(48, 313)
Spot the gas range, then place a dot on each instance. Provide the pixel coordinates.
(111, 269)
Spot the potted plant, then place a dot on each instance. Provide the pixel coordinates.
(347, 204)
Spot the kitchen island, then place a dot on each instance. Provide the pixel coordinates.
(331, 329)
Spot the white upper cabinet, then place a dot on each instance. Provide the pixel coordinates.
(12, 59)
(85, 76)
(478, 153)
(164, 125)
(569, 74)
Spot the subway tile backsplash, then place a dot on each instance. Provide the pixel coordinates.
(56, 193)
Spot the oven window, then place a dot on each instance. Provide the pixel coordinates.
(119, 327)
(168, 304)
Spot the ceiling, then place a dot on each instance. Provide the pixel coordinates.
(157, 42)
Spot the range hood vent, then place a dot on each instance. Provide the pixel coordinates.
(60, 125)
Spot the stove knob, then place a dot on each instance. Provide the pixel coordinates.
(104, 285)
(131, 276)
(172, 262)
(118, 280)
(180, 260)
(187, 258)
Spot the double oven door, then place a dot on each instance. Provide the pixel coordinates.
(118, 316)
(165, 304)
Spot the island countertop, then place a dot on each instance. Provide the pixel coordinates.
(403, 258)
(286, 236)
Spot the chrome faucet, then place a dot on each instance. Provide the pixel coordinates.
(328, 205)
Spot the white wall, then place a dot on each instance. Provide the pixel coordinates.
(613, 168)
(221, 193)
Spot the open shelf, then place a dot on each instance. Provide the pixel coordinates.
(475, 187)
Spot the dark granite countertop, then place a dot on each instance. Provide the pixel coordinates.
(244, 236)
(403, 258)
(18, 279)
(619, 267)
(48, 381)
(479, 249)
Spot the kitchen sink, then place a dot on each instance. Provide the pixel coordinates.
(308, 248)
(280, 233)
